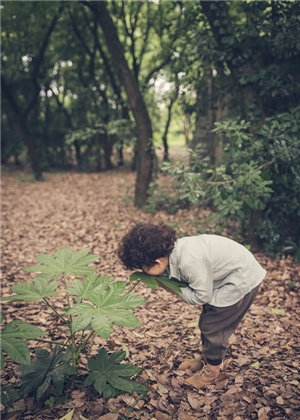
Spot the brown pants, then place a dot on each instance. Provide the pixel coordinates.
(217, 324)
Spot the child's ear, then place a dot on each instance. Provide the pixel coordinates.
(158, 261)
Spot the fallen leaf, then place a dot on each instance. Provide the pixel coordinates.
(193, 400)
(280, 400)
(286, 347)
(162, 389)
(152, 377)
(255, 365)
(277, 311)
(68, 416)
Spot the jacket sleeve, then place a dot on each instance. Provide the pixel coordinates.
(199, 275)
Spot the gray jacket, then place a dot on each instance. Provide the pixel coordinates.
(219, 271)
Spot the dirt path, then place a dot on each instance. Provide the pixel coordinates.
(93, 210)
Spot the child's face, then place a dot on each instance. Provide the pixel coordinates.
(159, 268)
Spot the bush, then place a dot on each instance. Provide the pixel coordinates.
(259, 174)
(99, 304)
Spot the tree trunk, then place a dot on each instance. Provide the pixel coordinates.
(186, 130)
(164, 138)
(204, 115)
(137, 104)
(107, 151)
(219, 27)
(22, 119)
(30, 145)
(23, 115)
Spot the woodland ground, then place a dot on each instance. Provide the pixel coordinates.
(81, 210)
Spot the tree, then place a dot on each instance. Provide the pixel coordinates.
(138, 107)
(18, 89)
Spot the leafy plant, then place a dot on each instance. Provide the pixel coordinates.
(258, 178)
(52, 400)
(152, 281)
(8, 395)
(38, 376)
(111, 378)
(11, 340)
(100, 303)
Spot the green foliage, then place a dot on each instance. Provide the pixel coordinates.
(108, 305)
(152, 281)
(52, 400)
(110, 308)
(111, 378)
(38, 289)
(8, 395)
(11, 340)
(37, 377)
(64, 262)
(240, 184)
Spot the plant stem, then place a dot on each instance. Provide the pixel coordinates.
(83, 344)
(71, 320)
(54, 310)
(66, 291)
(50, 342)
(74, 355)
(132, 287)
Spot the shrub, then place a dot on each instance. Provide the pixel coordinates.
(100, 303)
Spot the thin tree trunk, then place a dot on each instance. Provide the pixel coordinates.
(137, 104)
(164, 138)
(107, 151)
(31, 150)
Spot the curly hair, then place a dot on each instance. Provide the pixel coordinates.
(144, 243)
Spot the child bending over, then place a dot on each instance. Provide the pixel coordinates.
(222, 275)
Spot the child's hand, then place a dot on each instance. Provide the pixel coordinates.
(167, 288)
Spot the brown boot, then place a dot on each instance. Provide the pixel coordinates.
(202, 378)
(193, 364)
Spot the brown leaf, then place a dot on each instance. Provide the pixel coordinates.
(175, 383)
(184, 416)
(193, 400)
(128, 400)
(162, 416)
(109, 416)
(280, 400)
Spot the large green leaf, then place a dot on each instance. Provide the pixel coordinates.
(110, 378)
(38, 289)
(152, 281)
(64, 262)
(11, 340)
(91, 284)
(109, 308)
(37, 377)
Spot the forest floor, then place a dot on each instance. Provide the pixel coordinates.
(261, 378)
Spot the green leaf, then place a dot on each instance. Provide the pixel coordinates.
(152, 281)
(90, 285)
(11, 340)
(106, 374)
(277, 311)
(110, 308)
(255, 365)
(64, 261)
(38, 289)
(37, 377)
(145, 278)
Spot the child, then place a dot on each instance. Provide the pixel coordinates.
(222, 276)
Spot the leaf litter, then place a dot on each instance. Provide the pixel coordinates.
(261, 378)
